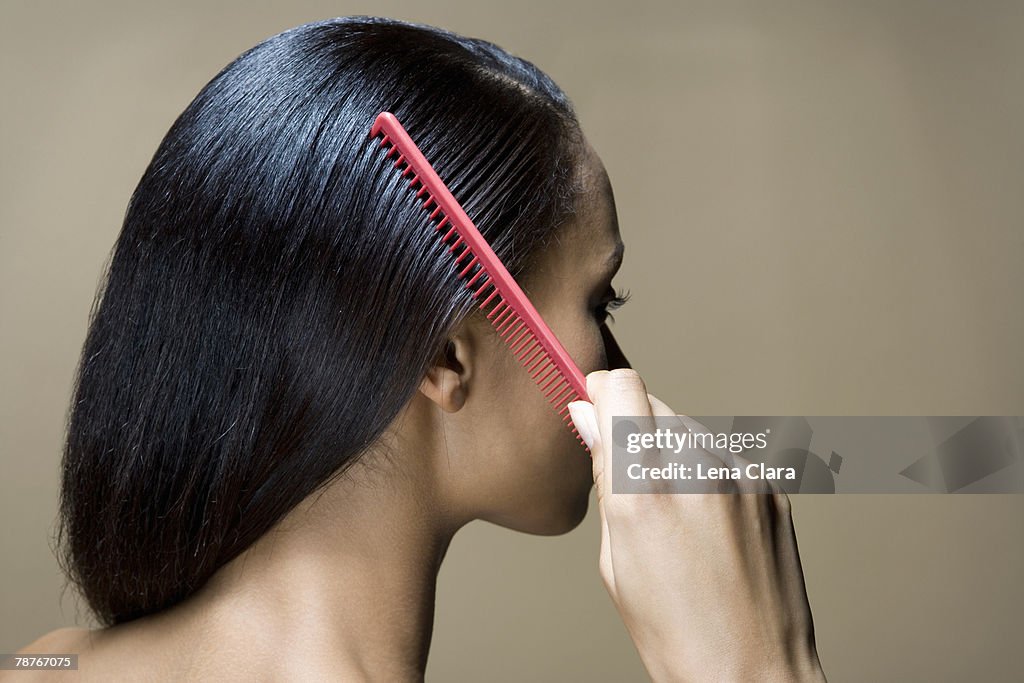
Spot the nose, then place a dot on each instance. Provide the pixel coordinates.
(616, 359)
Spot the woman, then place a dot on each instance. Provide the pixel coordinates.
(286, 406)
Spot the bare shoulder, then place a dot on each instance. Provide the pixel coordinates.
(59, 641)
(67, 640)
(133, 651)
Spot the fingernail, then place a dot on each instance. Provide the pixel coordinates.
(582, 414)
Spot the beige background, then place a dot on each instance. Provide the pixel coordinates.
(823, 214)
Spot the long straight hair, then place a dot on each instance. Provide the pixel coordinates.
(275, 294)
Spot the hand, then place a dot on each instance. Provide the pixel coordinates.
(709, 585)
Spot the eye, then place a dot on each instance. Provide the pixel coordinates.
(619, 298)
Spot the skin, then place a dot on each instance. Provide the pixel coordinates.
(709, 586)
(343, 588)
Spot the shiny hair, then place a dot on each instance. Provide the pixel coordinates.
(276, 294)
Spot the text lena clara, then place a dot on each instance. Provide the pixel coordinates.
(698, 471)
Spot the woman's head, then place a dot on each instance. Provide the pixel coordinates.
(276, 302)
(508, 454)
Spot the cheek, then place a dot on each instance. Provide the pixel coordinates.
(591, 353)
(577, 330)
(581, 337)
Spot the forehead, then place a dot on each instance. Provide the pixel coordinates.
(577, 256)
(593, 232)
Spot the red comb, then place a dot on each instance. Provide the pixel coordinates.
(510, 312)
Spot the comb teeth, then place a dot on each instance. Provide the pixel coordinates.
(509, 311)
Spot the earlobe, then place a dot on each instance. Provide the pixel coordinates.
(445, 381)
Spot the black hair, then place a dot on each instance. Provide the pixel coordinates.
(276, 294)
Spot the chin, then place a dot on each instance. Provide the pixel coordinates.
(565, 515)
(571, 507)
(575, 515)
(557, 508)
(549, 518)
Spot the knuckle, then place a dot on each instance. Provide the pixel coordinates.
(626, 378)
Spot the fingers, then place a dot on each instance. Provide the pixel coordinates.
(729, 459)
(605, 565)
(613, 393)
(617, 392)
(622, 392)
(585, 420)
(659, 407)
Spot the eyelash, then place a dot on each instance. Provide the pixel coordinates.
(619, 300)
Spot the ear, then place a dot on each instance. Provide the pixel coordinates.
(446, 382)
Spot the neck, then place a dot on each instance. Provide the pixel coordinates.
(346, 581)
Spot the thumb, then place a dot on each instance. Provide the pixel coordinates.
(585, 419)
